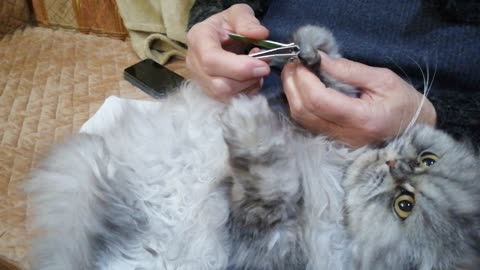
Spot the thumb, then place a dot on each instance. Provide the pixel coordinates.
(347, 71)
(242, 18)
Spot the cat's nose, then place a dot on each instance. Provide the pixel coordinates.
(391, 163)
(399, 168)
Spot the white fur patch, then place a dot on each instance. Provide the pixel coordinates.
(168, 159)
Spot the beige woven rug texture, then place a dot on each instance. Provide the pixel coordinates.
(51, 82)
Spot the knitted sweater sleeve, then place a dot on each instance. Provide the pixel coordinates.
(458, 114)
(203, 9)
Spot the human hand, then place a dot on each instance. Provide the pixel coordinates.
(385, 108)
(212, 59)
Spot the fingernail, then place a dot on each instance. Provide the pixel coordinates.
(260, 71)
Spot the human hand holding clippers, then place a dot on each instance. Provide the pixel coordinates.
(375, 104)
(214, 59)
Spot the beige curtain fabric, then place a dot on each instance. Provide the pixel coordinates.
(156, 27)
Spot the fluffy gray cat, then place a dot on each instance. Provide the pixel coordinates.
(197, 184)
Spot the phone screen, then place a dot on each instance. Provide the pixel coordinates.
(153, 78)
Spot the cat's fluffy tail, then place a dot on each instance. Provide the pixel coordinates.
(60, 199)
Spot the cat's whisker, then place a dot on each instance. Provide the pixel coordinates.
(427, 85)
(407, 77)
(399, 131)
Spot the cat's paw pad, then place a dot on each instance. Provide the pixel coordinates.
(310, 39)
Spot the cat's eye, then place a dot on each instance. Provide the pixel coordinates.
(403, 205)
(426, 159)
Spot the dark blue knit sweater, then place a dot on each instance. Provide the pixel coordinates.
(442, 36)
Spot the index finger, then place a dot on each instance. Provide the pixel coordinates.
(350, 72)
(325, 102)
(207, 49)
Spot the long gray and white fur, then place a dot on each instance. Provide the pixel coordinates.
(197, 184)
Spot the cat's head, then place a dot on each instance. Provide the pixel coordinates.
(415, 203)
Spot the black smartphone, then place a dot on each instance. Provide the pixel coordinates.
(153, 78)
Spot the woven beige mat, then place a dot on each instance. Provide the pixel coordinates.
(51, 82)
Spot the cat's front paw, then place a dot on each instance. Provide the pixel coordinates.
(311, 39)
